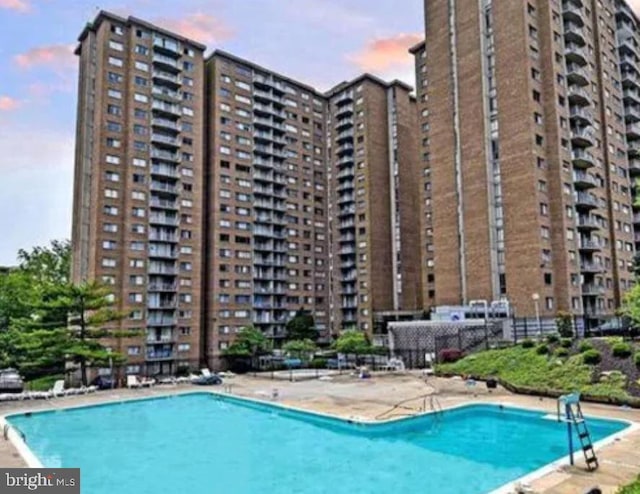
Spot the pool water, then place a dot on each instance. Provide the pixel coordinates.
(206, 444)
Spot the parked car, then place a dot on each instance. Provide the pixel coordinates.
(104, 382)
(210, 380)
(10, 381)
(292, 363)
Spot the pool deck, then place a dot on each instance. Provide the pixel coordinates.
(372, 399)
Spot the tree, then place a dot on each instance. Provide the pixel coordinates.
(301, 349)
(88, 314)
(564, 324)
(250, 342)
(631, 305)
(48, 265)
(353, 341)
(301, 326)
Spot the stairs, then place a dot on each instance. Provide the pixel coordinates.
(574, 418)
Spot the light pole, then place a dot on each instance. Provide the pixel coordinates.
(110, 366)
(536, 299)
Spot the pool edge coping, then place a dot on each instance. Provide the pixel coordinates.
(33, 462)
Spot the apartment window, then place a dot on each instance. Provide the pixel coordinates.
(141, 114)
(112, 176)
(107, 262)
(140, 81)
(141, 98)
(117, 30)
(110, 210)
(141, 50)
(141, 66)
(115, 61)
(114, 127)
(138, 212)
(115, 78)
(115, 45)
(114, 110)
(114, 93)
(110, 228)
(138, 196)
(111, 193)
(112, 160)
(108, 244)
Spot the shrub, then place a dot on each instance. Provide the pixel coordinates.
(448, 355)
(591, 357)
(542, 349)
(561, 352)
(636, 359)
(566, 342)
(553, 338)
(564, 324)
(318, 363)
(528, 344)
(585, 346)
(621, 350)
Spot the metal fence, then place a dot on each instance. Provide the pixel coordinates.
(523, 328)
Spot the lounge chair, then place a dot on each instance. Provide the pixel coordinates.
(58, 389)
(133, 382)
(146, 382)
(205, 372)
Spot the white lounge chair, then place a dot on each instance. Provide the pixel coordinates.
(205, 372)
(147, 382)
(58, 389)
(133, 382)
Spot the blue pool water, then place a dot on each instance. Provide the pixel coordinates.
(201, 443)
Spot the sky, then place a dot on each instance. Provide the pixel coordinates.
(319, 42)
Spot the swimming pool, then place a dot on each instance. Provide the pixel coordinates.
(205, 443)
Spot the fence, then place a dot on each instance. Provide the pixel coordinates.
(523, 328)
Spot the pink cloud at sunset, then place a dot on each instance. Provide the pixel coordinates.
(55, 56)
(381, 54)
(16, 5)
(8, 104)
(200, 27)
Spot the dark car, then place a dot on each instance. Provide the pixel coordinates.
(211, 380)
(103, 382)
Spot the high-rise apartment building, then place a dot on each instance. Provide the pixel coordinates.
(372, 153)
(217, 194)
(138, 192)
(267, 200)
(526, 190)
(628, 37)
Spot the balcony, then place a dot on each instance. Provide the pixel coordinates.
(163, 253)
(630, 79)
(162, 287)
(267, 122)
(269, 137)
(633, 131)
(577, 75)
(167, 77)
(589, 245)
(167, 108)
(346, 237)
(166, 94)
(269, 151)
(166, 63)
(581, 116)
(582, 136)
(348, 250)
(582, 158)
(167, 269)
(346, 199)
(592, 290)
(171, 47)
(160, 340)
(344, 136)
(346, 185)
(631, 114)
(165, 123)
(344, 111)
(588, 223)
(631, 96)
(343, 123)
(269, 177)
(574, 33)
(163, 187)
(158, 356)
(636, 218)
(572, 11)
(165, 140)
(162, 219)
(578, 96)
(582, 180)
(591, 267)
(344, 98)
(345, 160)
(346, 173)
(633, 149)
(165, 155)
(586, 201)
(268, 261)
(167, 304)
(268, 82)
(574, 53)
(634, 166)
(629, 61)
(267, 96)
(347, 211)
(156, 202)
(347, 224)
(268, 110)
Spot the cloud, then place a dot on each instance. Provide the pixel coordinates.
(384, 54)
(41, 90)
(8, 103)
(635, 5)
(21, 6)
(333, 16)
(58, 57)
(200, 27)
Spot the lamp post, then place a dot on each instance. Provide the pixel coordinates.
(110, 366)
(536, 299)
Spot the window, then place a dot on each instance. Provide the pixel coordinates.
(113, 77)
(141, 50)
(142, 66)
(114, 93)
(115, 45)
(115, 61)
(114, 110)
(141, 98)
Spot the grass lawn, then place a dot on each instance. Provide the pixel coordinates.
(524, 367)
(633, 488)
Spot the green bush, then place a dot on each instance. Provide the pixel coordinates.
(622, 350)
(585, 346)
(636, 359)
(561, 352)
(566, 342)
(591, 357)
(528, 344)
(542, 349)
(553, 338)
(318, 363)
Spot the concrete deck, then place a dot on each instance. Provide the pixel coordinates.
(372, 399)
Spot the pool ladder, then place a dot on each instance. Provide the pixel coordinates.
(574, 418)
